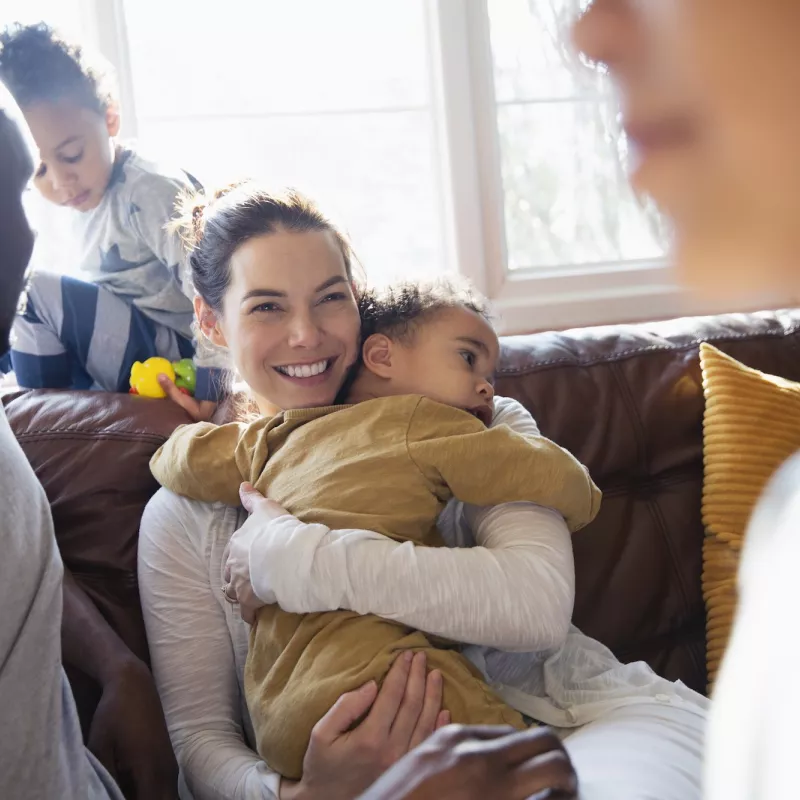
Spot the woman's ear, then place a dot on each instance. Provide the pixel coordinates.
(377, 353)
(113, 121)
(208, 322)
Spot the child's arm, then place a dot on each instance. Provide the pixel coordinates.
(487, 467)
(209, 462)
(152, 208)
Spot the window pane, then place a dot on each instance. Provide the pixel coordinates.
(373, 172)
(276, 56)
(532, 56)
(567, 198)
(566, 194)
(332, 98)
(63, 14)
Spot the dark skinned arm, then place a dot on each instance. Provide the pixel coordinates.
(128, 732)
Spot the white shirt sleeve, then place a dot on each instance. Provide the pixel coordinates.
(514, 591)
(752, 727)
(193, 661)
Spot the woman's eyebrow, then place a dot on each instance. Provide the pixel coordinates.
(263, 293)
(332, 281)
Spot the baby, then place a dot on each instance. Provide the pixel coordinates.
(412, 435)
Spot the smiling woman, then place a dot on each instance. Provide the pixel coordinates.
(276, 288)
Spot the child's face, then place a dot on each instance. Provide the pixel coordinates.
(76, 153)
(451, 359)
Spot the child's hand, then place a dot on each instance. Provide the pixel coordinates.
(198, 410)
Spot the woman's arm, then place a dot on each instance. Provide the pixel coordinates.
(514, 591)
(193, 661)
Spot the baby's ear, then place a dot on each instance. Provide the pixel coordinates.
(377, 352)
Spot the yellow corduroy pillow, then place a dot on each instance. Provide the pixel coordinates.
(750, 427)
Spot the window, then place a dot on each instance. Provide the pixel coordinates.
(332, 98)
(446, 136)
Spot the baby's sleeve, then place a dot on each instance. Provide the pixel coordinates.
(487, 467)
(209, 462)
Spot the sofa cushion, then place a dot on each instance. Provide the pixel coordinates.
(751, 426)
(628, 401)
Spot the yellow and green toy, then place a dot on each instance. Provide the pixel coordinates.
(144, 376)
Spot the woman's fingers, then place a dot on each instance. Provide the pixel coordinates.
(226, 570)
(429, 717)
(254, 501)
(384, 711)
(443, 720)
(348, 709)
(402, 729)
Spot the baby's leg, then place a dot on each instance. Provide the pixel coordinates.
(74, 334)
(466, 694)
(298, 666)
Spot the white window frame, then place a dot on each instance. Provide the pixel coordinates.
(467, 147)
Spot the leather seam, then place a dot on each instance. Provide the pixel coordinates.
(623, 354)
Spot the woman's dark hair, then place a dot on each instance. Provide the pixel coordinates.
(38, 66)
(214, 226)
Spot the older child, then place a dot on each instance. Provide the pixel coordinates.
(414, 436)
(136, 301)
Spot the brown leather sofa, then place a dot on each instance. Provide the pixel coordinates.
(627, 400)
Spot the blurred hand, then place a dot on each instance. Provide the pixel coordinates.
(473, 763)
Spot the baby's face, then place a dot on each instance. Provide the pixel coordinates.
(451, 359)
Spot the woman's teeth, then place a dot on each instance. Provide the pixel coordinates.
(304, 370)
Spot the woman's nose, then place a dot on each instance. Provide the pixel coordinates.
(304, 332)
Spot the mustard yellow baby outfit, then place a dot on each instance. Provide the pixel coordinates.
(387, 465)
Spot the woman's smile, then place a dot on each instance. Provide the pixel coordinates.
(308, 373)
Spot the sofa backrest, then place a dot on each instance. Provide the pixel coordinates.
(626, 400)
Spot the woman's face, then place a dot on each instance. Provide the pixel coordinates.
(710, 94)
(290, 319)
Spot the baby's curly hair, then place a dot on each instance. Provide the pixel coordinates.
(38, 66)
(398, 311)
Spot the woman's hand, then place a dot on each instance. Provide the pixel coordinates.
(236, 557)
(472, 763)
(198, 410)
(342, 761)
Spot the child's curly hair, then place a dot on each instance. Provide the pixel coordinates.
(38, 66)
(398, 310)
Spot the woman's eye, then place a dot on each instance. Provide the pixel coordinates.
(40, 171)
(266, 307)
(333, 296)
(468, 357)
(72, 159)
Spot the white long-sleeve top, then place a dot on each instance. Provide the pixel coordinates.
(509, 586)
